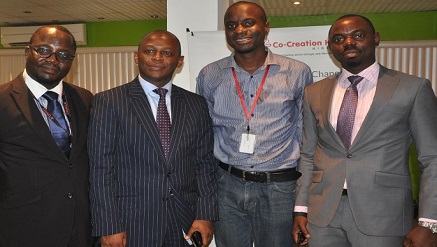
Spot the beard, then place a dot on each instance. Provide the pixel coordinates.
(352, 63)
(244, 49)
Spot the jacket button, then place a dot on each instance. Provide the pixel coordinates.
(349, 156)
(70, 195)
(70, 166)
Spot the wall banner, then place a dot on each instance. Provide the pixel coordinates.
(306, 44)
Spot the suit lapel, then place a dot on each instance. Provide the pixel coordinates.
(72, 97)
(384, 90)
(178, 119)
(326, 94)
(141, 107)
(25, 102)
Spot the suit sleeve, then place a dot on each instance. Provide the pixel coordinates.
(423, 120)
(309, 144)
(101, 147)
(206, 167)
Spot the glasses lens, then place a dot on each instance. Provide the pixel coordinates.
(63, 57)
(43, 52)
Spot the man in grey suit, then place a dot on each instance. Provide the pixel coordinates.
(355, 188)
(152, 166)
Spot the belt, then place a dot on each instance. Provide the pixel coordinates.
(344, 192)
(262, 177)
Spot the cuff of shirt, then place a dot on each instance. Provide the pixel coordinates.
(302, 209)
(420, 219)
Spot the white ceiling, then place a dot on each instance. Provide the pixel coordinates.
(32, 12)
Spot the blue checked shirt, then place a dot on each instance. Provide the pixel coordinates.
(276, 120)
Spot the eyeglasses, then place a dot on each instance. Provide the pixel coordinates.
(61, 56)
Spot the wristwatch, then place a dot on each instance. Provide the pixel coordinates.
(430, 225)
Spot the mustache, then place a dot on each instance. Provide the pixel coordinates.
(349, 47)
(50, 65)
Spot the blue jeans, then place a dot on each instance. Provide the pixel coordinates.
(254, 213)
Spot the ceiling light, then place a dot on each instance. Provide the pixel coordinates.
(296, 2)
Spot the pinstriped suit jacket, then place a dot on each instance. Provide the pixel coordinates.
(133, 187)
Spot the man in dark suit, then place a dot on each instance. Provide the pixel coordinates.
(44, 198)
(151, 183)
(355, 188)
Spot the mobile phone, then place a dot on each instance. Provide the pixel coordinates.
(300, 237)
(196, 239)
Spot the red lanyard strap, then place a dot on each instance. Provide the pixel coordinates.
(240, 93)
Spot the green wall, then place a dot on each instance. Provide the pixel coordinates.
(121, 33)
(391, 26)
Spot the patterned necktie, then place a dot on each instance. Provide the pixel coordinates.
(163, 121)
(346, 116)
(58, 125)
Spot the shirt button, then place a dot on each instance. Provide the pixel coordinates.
(349, 156)
(70, 195)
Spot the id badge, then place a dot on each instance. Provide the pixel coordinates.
(247, 144)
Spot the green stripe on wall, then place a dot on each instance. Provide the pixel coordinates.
(391, 26)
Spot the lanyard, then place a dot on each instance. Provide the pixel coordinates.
(53, 119)
(240, 94)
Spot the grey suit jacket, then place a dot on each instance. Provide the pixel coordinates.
(376, 167)
(43, 195)
(133, 187)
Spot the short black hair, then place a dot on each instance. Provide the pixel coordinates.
(57, 27)
(163, 32)
(359, 16)
(261, 9)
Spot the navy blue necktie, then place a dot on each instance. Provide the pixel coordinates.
(346, 116)
(58, 126)
(163, 121)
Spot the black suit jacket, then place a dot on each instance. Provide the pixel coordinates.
(133, 187)
(43, 195)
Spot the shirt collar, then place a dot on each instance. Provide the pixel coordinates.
(149, 87)
(37, 89)
(370, 74)
(270, 60)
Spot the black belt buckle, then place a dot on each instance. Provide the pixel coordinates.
(249, 176)
(257, 177)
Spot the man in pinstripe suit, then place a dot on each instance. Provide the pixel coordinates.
(143, 194)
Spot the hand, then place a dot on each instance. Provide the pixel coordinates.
(205, 228)
(300, 224)
(115, 240)
(420, 237)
